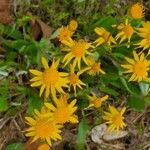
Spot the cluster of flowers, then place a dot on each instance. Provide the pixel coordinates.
(78, 58)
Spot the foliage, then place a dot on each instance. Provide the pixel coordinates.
(114, 43)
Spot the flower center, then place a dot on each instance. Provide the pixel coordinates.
(106, 36)
(117, 119)
(44, 128)
(78, 49)
(97, 103)
(140, 68)
(73, 78)
(95, 67)
(50, 76)
(62, 115)
(64, 34)
(128, 30)
(137, 11)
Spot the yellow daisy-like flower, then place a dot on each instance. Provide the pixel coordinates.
(97, 101)
(73, 25)
(105, 37)
(115, 118)
(74, 79)
(126, 31)
(136, 11)
(50, 79)
(64, 33)
(63, 112)
(144, 32)
(77, 50)
(44, 147)
(95, 67)
(139, 67)
(42, 126)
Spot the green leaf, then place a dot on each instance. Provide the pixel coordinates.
(35, 102)
(15, 146)
(147, 100)
(3, 104)
(136, 102)
(105, 22)
(108, 90)
(82, 132)
(144, 87)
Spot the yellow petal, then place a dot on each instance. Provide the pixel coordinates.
(45, 63)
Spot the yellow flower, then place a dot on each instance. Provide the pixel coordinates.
(74, 79)
(42, 126)
(77, 50)
(144, 32)
(95, 67)
(139, 67)
(50, 79)
(73, 25)
(97, 101)
(115, 118)
(126, 31)
(136, 11)
(63, 112)
(105, 37)
(44, 147)
(64, 33)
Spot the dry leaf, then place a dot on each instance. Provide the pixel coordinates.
(40, 29)
(4, 5)
(114, 135)
(30, 146)
(97, 133)
(100, 133)
(4, 11)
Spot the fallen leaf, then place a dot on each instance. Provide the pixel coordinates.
(114, 135)
(40, 29)
(30, 146)
(100, 133)
(97, 133)
(5, 11)
(4, 4)
(5, 17)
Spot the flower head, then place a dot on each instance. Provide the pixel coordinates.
(105, 37)
(50, 79)
(74, 78)
(42, 126)
(62, 111)
(115, 118)
(44, 147)
(139, 67)
(64, 33)
(97, 101)
(95, 67)
(136, 11)
(144, 32)
(77, 50)
(126, 31)
(73, 25)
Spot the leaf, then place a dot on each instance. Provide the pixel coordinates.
(147, 100)
(5, 12)
(15, 146)
(3, 104)
(136, 102)
(105, 22)
(82, 131)
(35, 102)
(144, 87)
(100, 133)
(108, 90)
